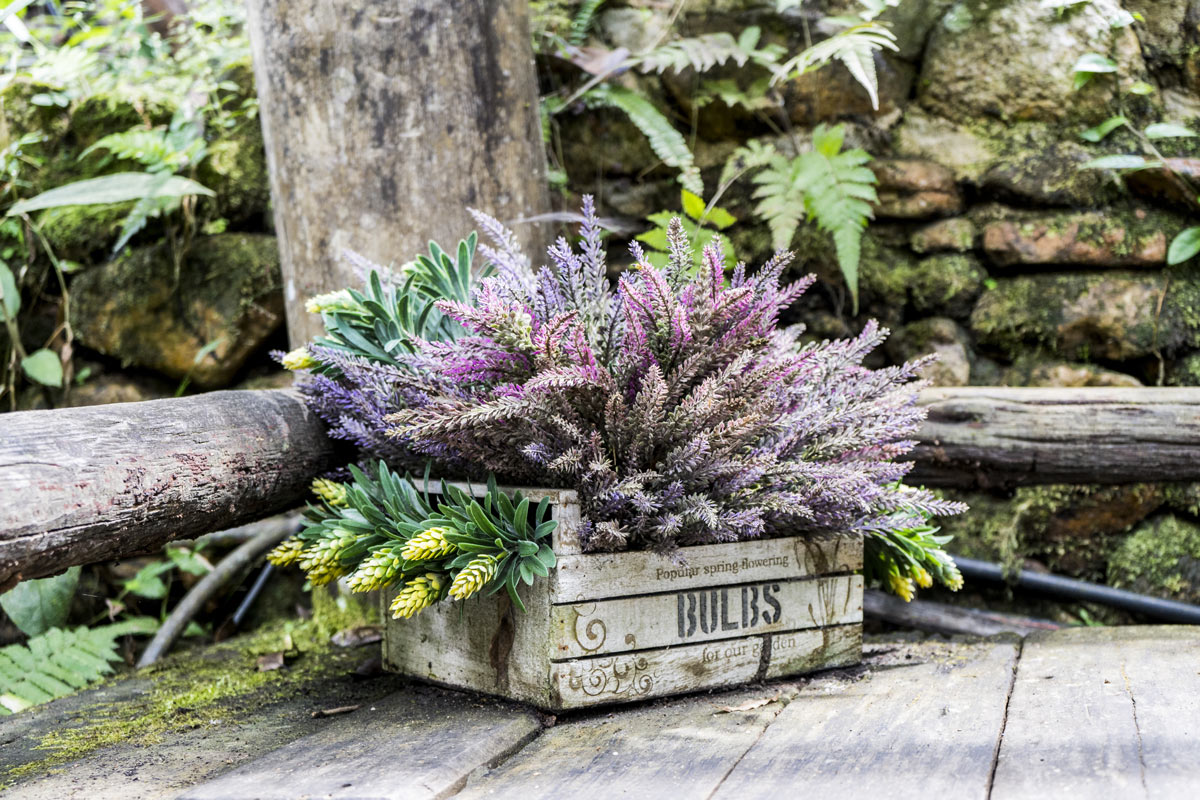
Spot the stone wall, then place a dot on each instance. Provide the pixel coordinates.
(990, 246)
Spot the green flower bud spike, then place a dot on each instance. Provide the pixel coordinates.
(286, 553)
(331, 492)
(421, 592)
(377, 570)
(298, 359)
(473, 577)
(427, 545)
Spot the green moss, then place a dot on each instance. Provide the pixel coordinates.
(1161, 557)
(192, 689)
(79, 233)
(335, 610)
(236, 169)
(946, 284)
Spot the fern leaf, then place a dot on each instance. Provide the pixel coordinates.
(839, 191)
(855, 47)
(781, 199)
(583, 21)
(60, 662)
(666, 142)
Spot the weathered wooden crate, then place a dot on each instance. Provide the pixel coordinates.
(620, 627)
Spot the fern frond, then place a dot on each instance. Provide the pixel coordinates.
(780, 194)
(839, 190)
(666, 142)
(709, 50)
(855, 47)
(582, 22)
(60, 662)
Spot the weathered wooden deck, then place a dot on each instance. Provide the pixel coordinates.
(1080, 713)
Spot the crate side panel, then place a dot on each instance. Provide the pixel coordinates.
(603, 575)
(631, 677)
(800, 652)
(705, 614)
(483, 643)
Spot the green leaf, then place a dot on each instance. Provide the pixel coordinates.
(1121, 162)
(1184, 246)
(693, 205)
(147, 583)
(1098, 133)
(119, 188)
(36, 606)
(43, 366)
(1095, 63)
(10, 296)
(1168, 130)
(1141, 88)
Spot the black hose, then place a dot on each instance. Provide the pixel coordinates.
(1071, 589)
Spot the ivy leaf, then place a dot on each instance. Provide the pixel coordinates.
(1141, 88)
(1091, 64)
(1168, 130)
(10, 296)
(36, 606)
(43, 366)
(1121, 162)
(1102, 130)
(1184, 246)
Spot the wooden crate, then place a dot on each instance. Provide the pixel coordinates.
(619, 627)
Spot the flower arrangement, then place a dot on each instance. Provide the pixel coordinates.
(676, 404)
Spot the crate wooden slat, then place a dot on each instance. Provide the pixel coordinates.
(619, 627)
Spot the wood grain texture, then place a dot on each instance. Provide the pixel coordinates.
(1104, 712)
(383, 122)
(681, 749)
(927, 615)
(82, 485)
(994, 436)
(404, 747)
(923, 722)
(599, 575)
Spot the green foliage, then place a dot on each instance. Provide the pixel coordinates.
(827, 185)
(386, 532)
(1184, 246)
(380, 322)
(1168, 130)
(666, 142)
(61, 662)
(706, 220)
(902, 559)
(36, 606)
(854, 47)
(43, 366)
(702, 53)
(582, 21)
(1091, 64)
(1102, 130)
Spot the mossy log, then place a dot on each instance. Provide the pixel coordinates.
(998, 437)
(383, 122)
(85, 484)
(80, 485)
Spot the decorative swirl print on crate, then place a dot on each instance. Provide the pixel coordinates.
(590, 635)
(620, 675)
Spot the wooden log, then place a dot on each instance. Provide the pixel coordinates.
(998, 436)
(926, 615)
(80, 485)
(383, 122)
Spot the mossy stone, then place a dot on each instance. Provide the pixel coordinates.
(1161, 557)
(946, 284)
(83, 233)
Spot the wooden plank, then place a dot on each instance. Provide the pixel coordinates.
(926, 615)
(923, 722)
(80, 485)
(995, 436)
(401, 748)
(678, 749)
(1104, 712)
(603, 575)
(674, 670)
(706, 614)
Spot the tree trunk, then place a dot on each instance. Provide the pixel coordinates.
(79, 485)
(383, 121)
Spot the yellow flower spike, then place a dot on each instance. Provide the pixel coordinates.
(953, 578)
(331, 492)
(327, 551)
(298, 359)
(377, 570)
(421, 592)
(340, 300)
(473, 577)
(427, 545)
(901, 587)
(922, 577)
(286, 552)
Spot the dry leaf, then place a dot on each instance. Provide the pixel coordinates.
(354, 637)
(749, 705)
(270, 661)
